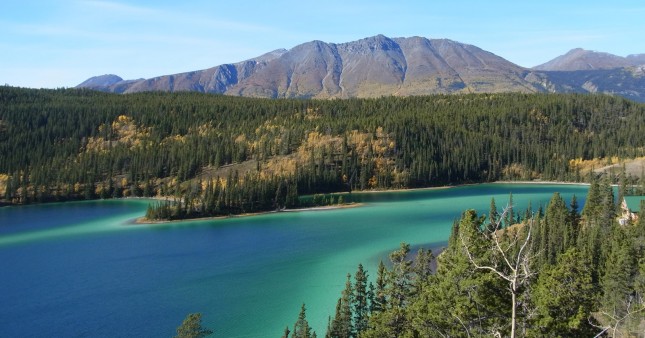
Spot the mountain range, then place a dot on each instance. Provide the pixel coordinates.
(382, 66)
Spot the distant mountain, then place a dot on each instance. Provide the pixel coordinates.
(382, 66)
(636, 59)
(627, 82)
(100, 81)
(581, 59)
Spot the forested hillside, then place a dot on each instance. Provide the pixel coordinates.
(557, 272)
(224, 155)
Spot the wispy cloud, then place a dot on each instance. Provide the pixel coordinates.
(178, 18)
(566, 36)
(120, 9)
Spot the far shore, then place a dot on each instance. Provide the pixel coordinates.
(541, 182)
(462, 185)
(172, 198)
(143, 220)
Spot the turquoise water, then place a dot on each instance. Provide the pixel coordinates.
(82, 269)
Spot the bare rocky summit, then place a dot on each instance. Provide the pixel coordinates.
(581, 59)
(382, 66)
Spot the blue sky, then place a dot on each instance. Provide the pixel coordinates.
(60, 43)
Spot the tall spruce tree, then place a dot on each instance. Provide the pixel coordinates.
(492, 215)
(192, 327)
(380, 300)
(301, 328)
(564, 297)
(360, 301)
(617, 282)
(557, 230)
(422, 269)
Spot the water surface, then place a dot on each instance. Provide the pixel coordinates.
(83, 270)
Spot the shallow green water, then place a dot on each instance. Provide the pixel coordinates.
(80, 269)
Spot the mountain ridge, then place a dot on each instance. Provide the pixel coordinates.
(582, 59)
(382, 66)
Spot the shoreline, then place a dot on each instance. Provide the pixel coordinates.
(462, 185)
(144, 221)
(539, 182)
(170, 198)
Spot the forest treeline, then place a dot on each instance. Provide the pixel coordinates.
(219, 155)
(553, 272)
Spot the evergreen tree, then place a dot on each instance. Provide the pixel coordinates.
(333, 327)
(558, 233)
(301, 328)
(509, 218)
(399, 277)
(493, 216)
(422, 270)
(639, 284)
(590, 211)
(622, 188)
(361, 303)
(191, 327)
(380, 301)
(391, 321)
(453, 305)
(608, 206)
(564, 297)
(341, 326)
(574, 217)
(617, 282)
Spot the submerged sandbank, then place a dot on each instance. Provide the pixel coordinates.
(143, 220)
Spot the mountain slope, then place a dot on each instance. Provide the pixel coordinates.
(626, 82)
(213, 80)
(369, 67)
(581, 59)
(101, 81)
(381, 66)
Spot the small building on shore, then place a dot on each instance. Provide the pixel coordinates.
(630, 209)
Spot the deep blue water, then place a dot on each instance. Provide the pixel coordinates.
(83, 270)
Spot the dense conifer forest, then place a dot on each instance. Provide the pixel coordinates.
(557, 272)
(560, 271)
(220, 155)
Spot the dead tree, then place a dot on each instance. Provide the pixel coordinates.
(514, 268)
(615, 320)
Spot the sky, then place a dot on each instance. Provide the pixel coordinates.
(61, 43)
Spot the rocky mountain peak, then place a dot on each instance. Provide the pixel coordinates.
(582, 59)
(382, 66)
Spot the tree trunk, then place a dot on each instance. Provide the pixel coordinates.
(513, 300)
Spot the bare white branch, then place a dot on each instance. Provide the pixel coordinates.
(481, 267)
(519, 272)
(462, 324)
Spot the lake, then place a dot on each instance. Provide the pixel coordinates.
(82, 269)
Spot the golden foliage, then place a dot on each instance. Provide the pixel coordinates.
(240, 138)
(175, 138)
(518, 171)
(278, 165)
(266, 141)
(100, 187)
(539, 116)
(123, 131)
(371, 183)
(3, 183)
(587, 165)
(312, 114)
